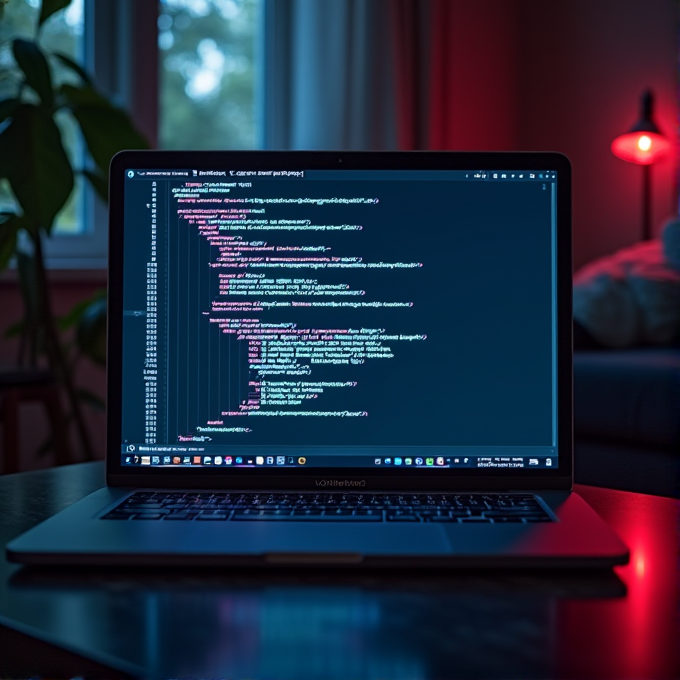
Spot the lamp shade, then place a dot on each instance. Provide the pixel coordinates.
(644, 144)
(643, 148)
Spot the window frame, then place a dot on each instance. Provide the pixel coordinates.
(116, 36)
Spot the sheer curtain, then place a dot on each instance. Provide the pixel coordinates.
(330, 75)
(412, 45)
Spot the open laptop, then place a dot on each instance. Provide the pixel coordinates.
(336, 358)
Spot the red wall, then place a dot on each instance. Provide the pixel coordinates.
(584, 65)
(474, 73)
(562, 76)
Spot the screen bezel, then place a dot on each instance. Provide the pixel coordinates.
(374, 479)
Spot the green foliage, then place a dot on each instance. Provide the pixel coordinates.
(73, 316)
(8, 107)
(32, 62)
(88, 319)
(66, 61)
(58, 35)
(9, 228)
(91, 399)
(49, 7)
(106, 129)
(36, 164)
(31, 330)
(32, 150)
(39, 114)
(99, 182)
(34, 161)
(91, 331)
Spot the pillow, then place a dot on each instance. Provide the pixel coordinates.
(632, 297)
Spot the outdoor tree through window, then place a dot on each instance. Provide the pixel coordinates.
(208, 73)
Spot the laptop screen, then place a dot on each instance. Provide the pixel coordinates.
(339, 318)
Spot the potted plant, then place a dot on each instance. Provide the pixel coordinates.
(37, 168)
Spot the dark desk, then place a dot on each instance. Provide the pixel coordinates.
(341, 624)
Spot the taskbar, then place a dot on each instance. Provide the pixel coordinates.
(399, 462)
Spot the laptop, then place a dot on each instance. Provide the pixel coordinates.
(321, 358)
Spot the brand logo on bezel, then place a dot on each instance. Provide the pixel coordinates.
(340, 482)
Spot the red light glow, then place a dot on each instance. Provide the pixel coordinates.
(642, 148)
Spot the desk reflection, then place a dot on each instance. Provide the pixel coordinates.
(306, 624)
(370, 624)
(638, 636)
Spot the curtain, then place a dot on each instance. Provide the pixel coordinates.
(410, 25)
(329, 75)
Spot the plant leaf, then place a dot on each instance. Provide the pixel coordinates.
(83, 96)
(106, 132)
(33, 159)
(29, 293)
(45, 447)
(99, 183)
(49, 7)
(32, 62)
(91, 331)
(8, 107)
(91, 399)
(15, 329)
(73, 316)
(106, 129)
(76, 68)
(9, 228)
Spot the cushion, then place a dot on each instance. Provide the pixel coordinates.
(628, 396)
(630, 298)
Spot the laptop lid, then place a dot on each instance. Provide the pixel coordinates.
(353, 320)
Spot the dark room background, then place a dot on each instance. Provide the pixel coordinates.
(411, 74)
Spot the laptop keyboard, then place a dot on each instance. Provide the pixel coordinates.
(221, 507)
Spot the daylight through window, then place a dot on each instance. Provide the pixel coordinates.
(207, 73)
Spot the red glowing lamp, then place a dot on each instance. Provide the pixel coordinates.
(642, 148)
(643, 144)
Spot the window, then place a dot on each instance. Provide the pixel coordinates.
(206, 78)
(207, 74)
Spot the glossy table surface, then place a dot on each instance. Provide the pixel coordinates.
(344, 624)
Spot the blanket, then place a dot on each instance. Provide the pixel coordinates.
(632, 297)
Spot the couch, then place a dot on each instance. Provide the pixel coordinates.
(627, 419)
